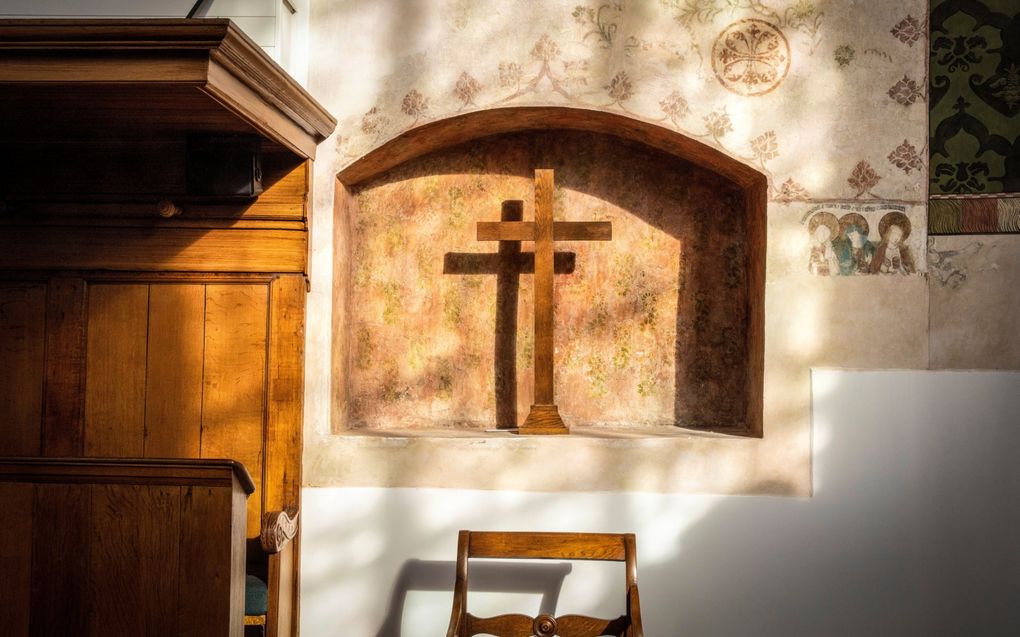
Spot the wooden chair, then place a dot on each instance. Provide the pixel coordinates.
(564, 546)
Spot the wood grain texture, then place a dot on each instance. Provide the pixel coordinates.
(233, 412)
(109, 540)
(62, 542)
(206, 538)
(16, 557)
(22, 351)
(212, 55)
(63, 415)
(514, 625)
(286, 393)
(564, 546)
(543, 420)
(545, 304)
(755, 204)
(506, 231)
(192, 472)
(125, 248)
(173, 383)
(116, 595)
(283, 442)
(115, 368)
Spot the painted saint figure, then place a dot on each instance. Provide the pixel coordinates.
(892, 255)
(852, 247)
(823, 227)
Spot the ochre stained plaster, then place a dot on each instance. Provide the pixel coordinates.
(649, 326)
(825, 98)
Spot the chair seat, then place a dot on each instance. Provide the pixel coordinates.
(256, 596)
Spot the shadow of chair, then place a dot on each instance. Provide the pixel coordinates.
(424, 575)
(567, 546)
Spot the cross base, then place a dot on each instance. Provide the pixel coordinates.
(543, 420)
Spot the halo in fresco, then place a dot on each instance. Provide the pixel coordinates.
(751, 57)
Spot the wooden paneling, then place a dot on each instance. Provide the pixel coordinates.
(22, 347)
(115, 390)
(139, 527)
(159, 544)
(149, 249)
(60, 576)
(286, 386)
(212, 56)
(63, 431)
(104, 548)
(284, 434)
(116, 594)
(207, 531)
(16, 558)
(173, 389)
(233, 410)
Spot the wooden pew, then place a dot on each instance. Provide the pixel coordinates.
(112, 547)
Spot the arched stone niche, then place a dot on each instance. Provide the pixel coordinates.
(659, 329)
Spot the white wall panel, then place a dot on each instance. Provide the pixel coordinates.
(911, 531)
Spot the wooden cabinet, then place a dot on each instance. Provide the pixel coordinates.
(122, 548)
(140, 317)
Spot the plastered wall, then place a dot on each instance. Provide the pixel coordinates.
(826, 99)
(911, 531)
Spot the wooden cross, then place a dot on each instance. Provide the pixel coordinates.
(508, 264)
(544, 417)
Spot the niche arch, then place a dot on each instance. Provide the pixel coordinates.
(448, 134)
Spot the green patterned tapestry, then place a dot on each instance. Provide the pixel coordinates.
(975, 115)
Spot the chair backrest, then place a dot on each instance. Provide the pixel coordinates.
(610, 547)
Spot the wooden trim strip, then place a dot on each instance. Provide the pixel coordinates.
(52, 247)
(127, 470)
(565, 546)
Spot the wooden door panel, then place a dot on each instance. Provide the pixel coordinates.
(62, 428)
(233, 403)
(16, 557)
(173, 389)
(22, 351)
(115, 370)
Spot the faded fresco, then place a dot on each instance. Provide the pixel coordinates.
(692, 65)
(854, 239)
(425, 294)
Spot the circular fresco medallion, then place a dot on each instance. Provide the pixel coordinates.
(751, 57)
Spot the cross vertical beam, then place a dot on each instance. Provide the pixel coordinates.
(544, 417)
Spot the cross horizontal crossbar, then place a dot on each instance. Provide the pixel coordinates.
(562, 231)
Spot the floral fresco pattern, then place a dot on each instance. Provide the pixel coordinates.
(624, 313)
(751, 57)
(680, 63)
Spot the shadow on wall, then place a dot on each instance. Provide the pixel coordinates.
(419, 575)
(912, 531)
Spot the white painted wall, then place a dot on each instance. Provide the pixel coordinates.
(913, 530)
